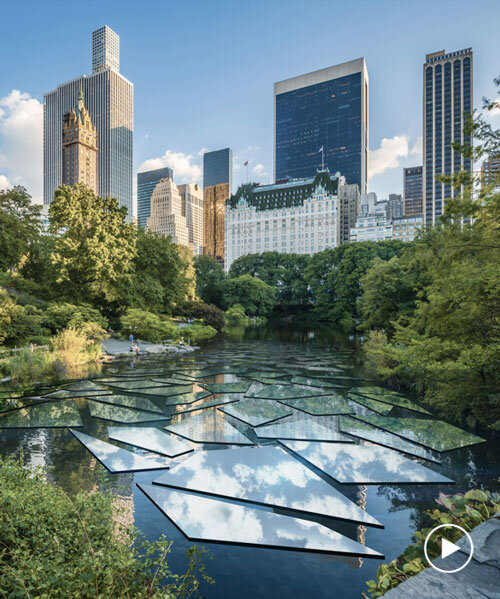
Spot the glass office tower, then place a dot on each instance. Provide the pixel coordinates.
(218, 168)
(325, 109)
(447, 99)
(146, 183)
(412, 190)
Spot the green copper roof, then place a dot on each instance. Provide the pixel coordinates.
(283, 195)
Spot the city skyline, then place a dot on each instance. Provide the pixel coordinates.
(241, 117)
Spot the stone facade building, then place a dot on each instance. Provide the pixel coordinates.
(166, 213)
(192, 210)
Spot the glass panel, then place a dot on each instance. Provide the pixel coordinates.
(376, 435)
(185, 398)
(116, 459)
(84, 386)
(284, 391)
(311, 382)
(66, 394)
(266, 476)
(391, 397)
(436, 434)
(256, 411)
(204, 519)
(44, 415)
(227, 387)
(208, 427)
(13, 403)
(169, 391)
(139, 403)
(118, 414)
(363, 464)
(216, 400)
(149, 438)
(372, 404)
(128, 385)
(321, 406)
(301, 427)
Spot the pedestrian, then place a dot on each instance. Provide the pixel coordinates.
(131, 339)
(32, 347)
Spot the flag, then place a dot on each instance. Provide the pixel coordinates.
(321, 149)
(245, 163)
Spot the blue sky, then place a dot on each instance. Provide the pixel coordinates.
(203, 72)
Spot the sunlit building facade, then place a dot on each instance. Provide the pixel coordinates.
(192, 210)
(167, 214)
(146, 183)
(214, 214)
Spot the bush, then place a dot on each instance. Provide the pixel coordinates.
(19, 325)
(466, 511)
(147, 326)
(60, 546)
(197, 332)
(26, 367)
(77, 347)
(256, 297)
(210, 314)
(235, 316)
(61, 316)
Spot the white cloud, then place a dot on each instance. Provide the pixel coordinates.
(4, 182)
(203, 151)
(259, 170)
(21, 142)
(388, 155)
(185, 167)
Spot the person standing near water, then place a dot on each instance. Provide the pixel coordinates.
(131, 339)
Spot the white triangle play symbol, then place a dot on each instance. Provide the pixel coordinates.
(447, 548)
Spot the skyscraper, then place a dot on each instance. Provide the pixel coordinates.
(394, 206)
(349, 207)
(109, 101)
(214, 210)
(447, 99)
(146, 182)
(323, 117)
(218, 168)
(166, 213)
(79, 147)
(192, 209)
(412, 191)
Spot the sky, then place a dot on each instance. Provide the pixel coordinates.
(203, 73)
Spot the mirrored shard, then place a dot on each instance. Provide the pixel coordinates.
(301, 427)
(241, 387)
(202, 404)
(13, 403)
(208, 427)
(139, 384)
(170, 391)
(208, 520)
(284, 391)
(129, 401)
(120, 414)
(364, 464)
(326, 405)
(186, 398)
(149, 438)
(371, 404)
(268, 476)
(116, 459)
(390, 397)
(256, 411)
(50, 414)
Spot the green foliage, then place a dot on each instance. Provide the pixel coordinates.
(19, 225)
(147, 326)
(284, 272)
(210, 314)
(59, 546)
(256, 297)
(334, 276)
(95, 248)
(38, 268)
(76, 347)
(19, 325)
(235, 316)
(26, 367)
(465, 510)
(209, 279)
(60, 316)
(198, 332)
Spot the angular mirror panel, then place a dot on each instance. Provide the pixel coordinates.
(256, 411)
(325, 405)
(208, 520)
(116, 459)
(13, 403)
(212, 401)
(129, 401)
(435, 434)
(266, 476)
(364, 464)
(300, 428)
(186, 398)
(227, 387)
(43, 415)
(85, 385)
(208, 427)
(371, 404)
(150, 438)
(120, 414)
(312, 382)
(130, 385)
(65, 394)
(284, 391)
(368, 432)
(170, 391)
(390, 397)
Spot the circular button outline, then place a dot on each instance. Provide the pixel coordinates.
(449, 526)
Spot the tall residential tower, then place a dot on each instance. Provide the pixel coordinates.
(321, 121)
(218, 168)
(146, 183)
(109, 101)
(447, 99)
(412, 191)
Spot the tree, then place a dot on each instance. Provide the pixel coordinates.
(284, 272)
(95, 248)
(209, 279)
(256, 297)
(19, 325)
(19, 226)
(39, 268)
(210, 314)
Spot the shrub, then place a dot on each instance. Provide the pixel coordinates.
(235, 316)
(19, 325)
(26, 367)
(76, 347)
(147, 326)
(60, 546)
(198, 332)
(256, 297)
(61, 316)
(210, 314)
(466, 511)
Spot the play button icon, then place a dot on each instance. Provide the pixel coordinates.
(447, 548)
(463, 549)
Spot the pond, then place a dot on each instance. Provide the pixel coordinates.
(273, 446)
